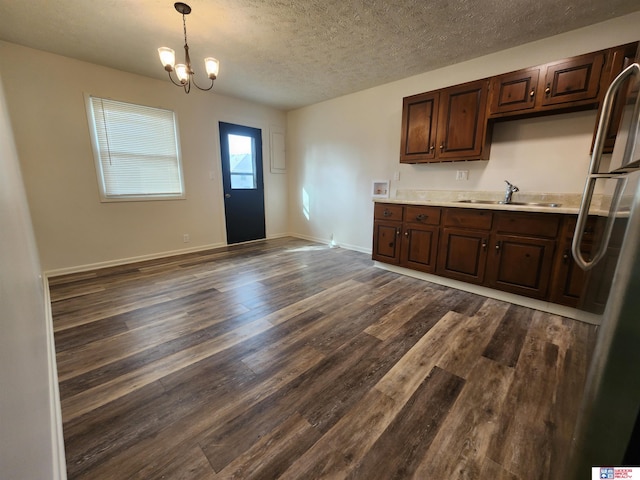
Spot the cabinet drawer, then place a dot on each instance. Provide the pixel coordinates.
(387, 211)
(478, 219)
(533, 224)
(422, 215)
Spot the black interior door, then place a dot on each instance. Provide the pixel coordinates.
(242, 179)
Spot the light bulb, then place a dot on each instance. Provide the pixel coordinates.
(212, 66)
(182, 73)
(167, 57)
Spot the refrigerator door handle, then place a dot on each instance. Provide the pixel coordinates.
(596, 256)
(594, 168)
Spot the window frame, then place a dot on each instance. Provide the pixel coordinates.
(100, 177)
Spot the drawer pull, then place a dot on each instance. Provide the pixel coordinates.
(387, 213)
(548, 89)
(422, 217)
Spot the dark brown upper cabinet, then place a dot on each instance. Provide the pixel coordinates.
(446, 125)
(574, 81)
(515, 91)
(563, 85)
(419, 121)
(619, 59)
(455, 123)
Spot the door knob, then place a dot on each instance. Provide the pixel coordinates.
(227, 195)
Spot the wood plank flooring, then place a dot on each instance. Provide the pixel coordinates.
(287, 359)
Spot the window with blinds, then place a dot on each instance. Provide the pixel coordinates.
(136, 151)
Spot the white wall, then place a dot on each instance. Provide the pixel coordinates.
(44, 94)
(29, 441)
(337, 148)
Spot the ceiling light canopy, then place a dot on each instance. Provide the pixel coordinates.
(184, 72)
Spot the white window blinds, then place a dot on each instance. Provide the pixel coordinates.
(136, 150)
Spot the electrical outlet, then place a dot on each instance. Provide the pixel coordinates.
(462, 175)
(396, 175)
(185, 238)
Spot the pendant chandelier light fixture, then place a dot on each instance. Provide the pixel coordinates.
(184, 72)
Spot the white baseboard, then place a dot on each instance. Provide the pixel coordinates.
(55, 412)
(541, 305)
(125, 261)
(141, 258)
(327, 241)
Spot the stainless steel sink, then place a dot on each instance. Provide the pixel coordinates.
(525, 204)
(487, 202)
(536, 204)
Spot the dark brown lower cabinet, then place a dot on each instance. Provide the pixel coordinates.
(463, 247)
(524, 253)
(419, 247)
(463, 254)
(569, 278)
(386, 241)
(588, 290)
(521, 252)
(411, 243)
(521, 265)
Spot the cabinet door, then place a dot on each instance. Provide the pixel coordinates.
(386, 242)
(462, 122)
(521, 265)
(574, 80)
(419, 247)
(620, 58)
(569, 279)
(514, 92)
(462, 254)
(419, 120)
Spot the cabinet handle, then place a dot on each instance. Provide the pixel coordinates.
(397, 231)
(532, 93)
(498, 245)
(432, 147)
(406, 234)
(547, 90)
(565, 256)
(484, 244)
(421, 217)
(442, 147)
(386, 213)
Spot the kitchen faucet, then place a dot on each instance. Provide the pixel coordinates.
(511, 189)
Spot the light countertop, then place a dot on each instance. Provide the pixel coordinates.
(567, 203)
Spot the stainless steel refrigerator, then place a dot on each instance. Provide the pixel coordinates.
(608, 428)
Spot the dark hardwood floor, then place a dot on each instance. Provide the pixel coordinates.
(287, 359)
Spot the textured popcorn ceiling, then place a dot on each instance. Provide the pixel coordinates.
(290, 53)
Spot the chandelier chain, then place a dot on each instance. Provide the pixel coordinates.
(184, 26)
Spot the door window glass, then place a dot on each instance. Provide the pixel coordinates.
(242, 162)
